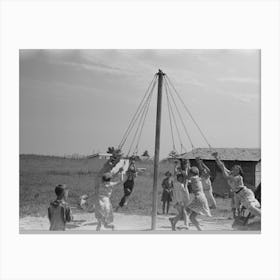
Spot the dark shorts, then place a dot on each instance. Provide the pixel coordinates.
(128, 187)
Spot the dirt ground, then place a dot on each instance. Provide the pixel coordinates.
(85, 222)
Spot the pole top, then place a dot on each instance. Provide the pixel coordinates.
(160, 72)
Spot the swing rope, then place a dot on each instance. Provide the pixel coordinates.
(173, 118)
(136, 114)
(188, 111)
(179, 114)
(142, 119)
(170, 120)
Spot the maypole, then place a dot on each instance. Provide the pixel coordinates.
(160, 75)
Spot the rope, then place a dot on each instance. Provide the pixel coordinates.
(188, 111)
(136, 115)
(146, 113)
(139, 123)
(170, 120)
(180, 116)
(174, 118)
(141, 118)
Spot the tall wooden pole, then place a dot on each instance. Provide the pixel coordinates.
(157, 146)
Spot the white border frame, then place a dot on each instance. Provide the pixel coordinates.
(190, 24)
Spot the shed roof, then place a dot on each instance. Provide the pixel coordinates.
(239, 154)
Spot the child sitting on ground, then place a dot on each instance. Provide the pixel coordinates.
(103, 206)
(242, 194)
(59, 213)
(181, 199)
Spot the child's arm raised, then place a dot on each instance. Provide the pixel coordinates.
(202, 165)
(113, 184)
(224, 170)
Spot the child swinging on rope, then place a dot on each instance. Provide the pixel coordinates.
(181, 199)
(199, 204)
(129, 183)
(103, 191)
(104, 209)
(242, 195)
(206, 182)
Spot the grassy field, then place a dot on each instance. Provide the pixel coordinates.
(40, 174)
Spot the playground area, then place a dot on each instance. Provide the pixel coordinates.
(86, 223)
(39, 175)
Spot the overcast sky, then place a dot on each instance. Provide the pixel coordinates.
(80, 101)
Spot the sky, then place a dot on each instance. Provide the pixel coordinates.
(81, 101)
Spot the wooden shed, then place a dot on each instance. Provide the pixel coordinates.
(249, 159)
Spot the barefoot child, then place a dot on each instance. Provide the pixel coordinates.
(204, 172)
(199, 204)
(242, 195)
(166, 197)
(59, 213)
(103, 206)
(181, 199)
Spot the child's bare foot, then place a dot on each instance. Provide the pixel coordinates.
(172, 224)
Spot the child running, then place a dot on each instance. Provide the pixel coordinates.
(206, 183)
(242, 195)
(166, 197)
(181, 199)
(59, 213)
(103, 206)
(199, 204)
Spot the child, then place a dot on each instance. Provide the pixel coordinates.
(59, 212)
(206, 183)
(181, 199)
(84, 202)
(129, 183)
(199, 204)
(166, 197)
(103, 206)
(242, 195)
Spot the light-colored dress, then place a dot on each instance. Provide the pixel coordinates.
(207, 188)
(103, 206)
(246, 197)
(241, 194)
(199, 203)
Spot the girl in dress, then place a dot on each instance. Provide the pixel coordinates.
(204, 172)
(181, 199)
(242, 195)
(199, 204)
(103, 206)
(166, 197)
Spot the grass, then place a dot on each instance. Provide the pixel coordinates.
(40, 174)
